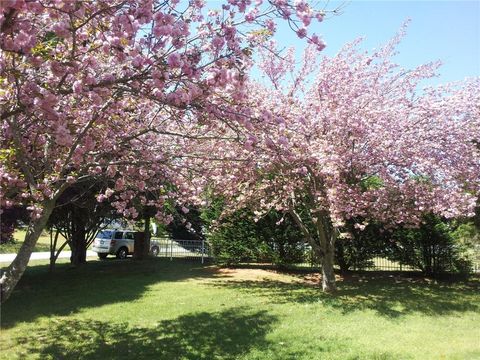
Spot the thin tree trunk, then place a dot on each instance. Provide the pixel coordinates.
(15, 270)
(53, 246)
(306, 232)
(58, 251)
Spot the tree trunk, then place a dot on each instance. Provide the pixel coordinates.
(139, 244)
(340, 257)
(13, 273)
(326, 234)
(328, 273)
(79, 250)
(141, 248)
(146, 231)
(323, 246)
(78, 243)
(53, 246)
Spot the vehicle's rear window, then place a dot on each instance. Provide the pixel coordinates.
(105, 234)
(118, 234)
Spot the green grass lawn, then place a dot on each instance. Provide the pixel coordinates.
(160, 309)
(43, 243)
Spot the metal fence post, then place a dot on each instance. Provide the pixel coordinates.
(171, 249)
(203, 250)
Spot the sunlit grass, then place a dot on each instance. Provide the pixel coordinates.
(43, 243)
(161, 309)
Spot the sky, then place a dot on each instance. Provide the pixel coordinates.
(439, 30)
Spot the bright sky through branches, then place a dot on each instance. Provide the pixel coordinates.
(439, 30)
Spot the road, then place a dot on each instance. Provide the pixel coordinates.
(42, 255)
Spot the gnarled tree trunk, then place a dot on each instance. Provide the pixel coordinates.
(15, 270)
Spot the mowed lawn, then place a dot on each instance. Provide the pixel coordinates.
(161, 309)
(43, 243)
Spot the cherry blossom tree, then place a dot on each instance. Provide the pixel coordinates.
(95, 89)
(353, 137)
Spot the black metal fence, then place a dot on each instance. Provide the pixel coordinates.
(200, 249)
(376, 264)
(382, 264)
(185, 249)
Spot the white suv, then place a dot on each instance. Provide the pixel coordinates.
(118, 242)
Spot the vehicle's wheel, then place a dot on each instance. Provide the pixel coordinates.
(155, 251)
(122, 253)
(102, 255)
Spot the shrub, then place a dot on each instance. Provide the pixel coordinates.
(358, 251)
(236, 240)
(431, 248)
(10, 219)
(239, 238)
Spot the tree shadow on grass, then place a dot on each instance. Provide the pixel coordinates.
(221, 335)
(68, 290)
(388, 295)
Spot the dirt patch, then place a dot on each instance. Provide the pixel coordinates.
(316, 278)
(246, 274)
(252, 274)
(313, 279)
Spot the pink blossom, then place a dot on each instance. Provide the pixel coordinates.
(77, 87)
(120, 184)
(91, 96)
(174, 60)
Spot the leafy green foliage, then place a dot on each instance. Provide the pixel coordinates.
(238, 238)
(431, 247)
(235, 240)
(9, 221)
(467, 234)
(371, 182)
(45, 47)
(283, 238)
(358, 251)
(187, 226)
